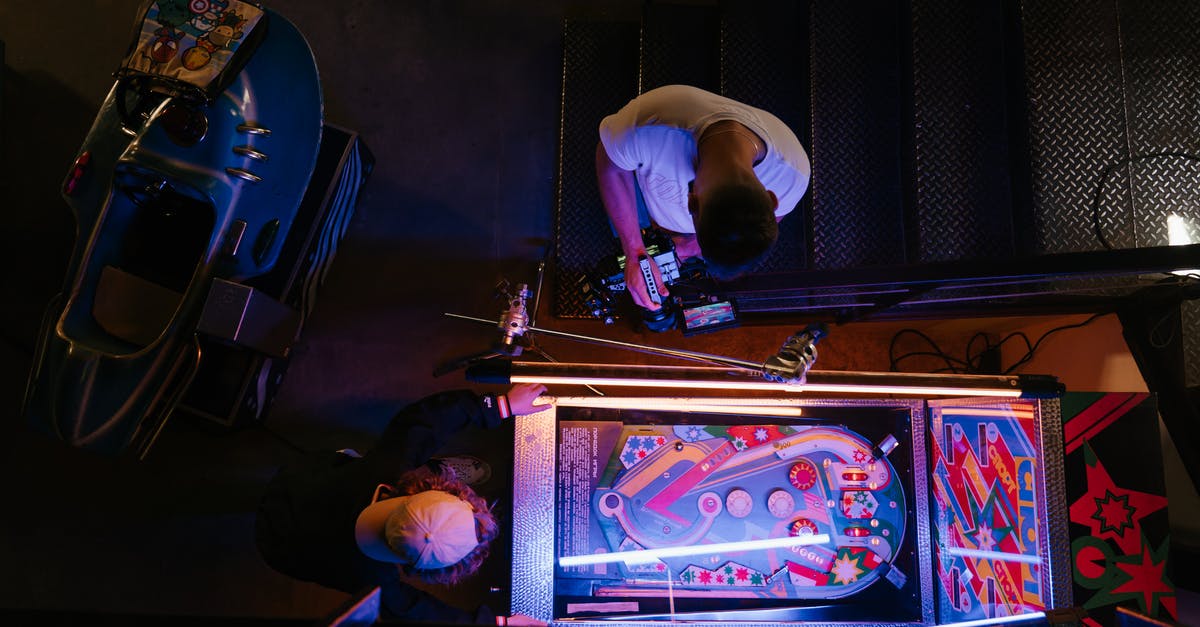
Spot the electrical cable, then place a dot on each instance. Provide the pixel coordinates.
(953, 364)
(1032, 349)
(975, 364)
(1108, 172)
(973, 361)
(1162, 334)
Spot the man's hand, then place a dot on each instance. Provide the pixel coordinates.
(686, 245)
(618, 194)
(521, 397)
(635, 282)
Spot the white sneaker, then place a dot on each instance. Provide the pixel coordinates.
(466, 468)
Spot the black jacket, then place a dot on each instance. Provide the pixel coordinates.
(305, 523)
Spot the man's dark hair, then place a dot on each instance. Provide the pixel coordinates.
(735, 229)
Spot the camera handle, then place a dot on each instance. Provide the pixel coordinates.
(648, 275)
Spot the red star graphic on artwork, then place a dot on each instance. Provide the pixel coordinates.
(860, 456)
(1114, 513)
(742, 574)
(1111, 512)
(1145, 577)
(641, 454)
(705, 576)
(660, 440)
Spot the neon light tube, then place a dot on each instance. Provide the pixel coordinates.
(795, 388)
(651, 555)
(723, 378)
(994, 555)
(999, 620)
(742, 406)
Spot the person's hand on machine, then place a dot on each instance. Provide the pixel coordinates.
(521, 398)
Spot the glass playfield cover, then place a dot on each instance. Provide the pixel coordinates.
(661, 514)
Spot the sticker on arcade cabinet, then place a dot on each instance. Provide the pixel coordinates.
(1117, 506)
(985, 515)
(737, 511)
(583, 448)
(192, 41)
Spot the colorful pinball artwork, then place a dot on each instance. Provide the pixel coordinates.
(733, 511)
(984, 515)
(1117, 505)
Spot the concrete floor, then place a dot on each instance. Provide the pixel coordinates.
(462, 116)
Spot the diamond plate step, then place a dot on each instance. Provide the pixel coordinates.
(680, 45)
(764, 63)
(856, 87)
(962, 201)
(600, 67)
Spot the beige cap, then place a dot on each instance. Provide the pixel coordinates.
(428, 530)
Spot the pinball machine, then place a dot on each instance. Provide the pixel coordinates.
(769, 511)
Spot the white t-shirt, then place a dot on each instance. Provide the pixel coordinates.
(655, 135)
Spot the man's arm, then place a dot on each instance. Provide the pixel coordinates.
(416, 432)
(620, 202)
(419, 429)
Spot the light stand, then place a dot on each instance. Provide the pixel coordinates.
(515, 322)
(788, 370)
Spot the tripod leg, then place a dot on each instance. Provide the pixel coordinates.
(463, 362)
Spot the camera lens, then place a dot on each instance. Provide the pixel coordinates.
(660, 320)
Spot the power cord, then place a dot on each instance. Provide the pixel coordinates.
(1108, 172)
(977, 361)
(953, 364)
(1031, 349)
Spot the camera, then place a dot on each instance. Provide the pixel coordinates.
(694, 306)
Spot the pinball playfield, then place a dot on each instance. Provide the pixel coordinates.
(852, 512)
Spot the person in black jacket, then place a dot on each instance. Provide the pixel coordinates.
(351, 523)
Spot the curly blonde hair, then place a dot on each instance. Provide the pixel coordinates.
(486, 528)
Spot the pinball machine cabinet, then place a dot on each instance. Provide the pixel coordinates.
(854, 512)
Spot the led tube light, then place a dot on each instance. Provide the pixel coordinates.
(648, 556)
(994, 555)
(740, 406)
(998, 620)
(724, 378)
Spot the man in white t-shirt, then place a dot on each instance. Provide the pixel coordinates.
(715, 173)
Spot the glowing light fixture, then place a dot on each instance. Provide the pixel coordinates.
(998, 620)
(723, 378)
(649, 556)
(1178, 235)
(739, 406)
(995, 555)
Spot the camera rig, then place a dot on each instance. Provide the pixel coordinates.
(789, 365)
(695, 304)
(515, 321)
